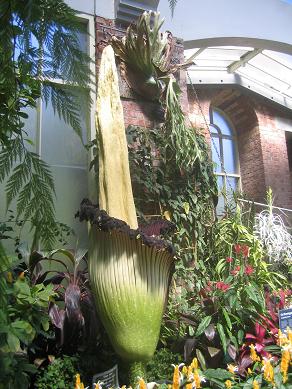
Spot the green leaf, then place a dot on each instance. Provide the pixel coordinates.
(227, 319)
(203, 325)
(222, 335)
(201, 359)
(220, 374)
(13, 342)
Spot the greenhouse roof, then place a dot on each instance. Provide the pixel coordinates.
(266, 72)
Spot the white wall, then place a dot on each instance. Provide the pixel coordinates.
(257, 23)
(103, 8)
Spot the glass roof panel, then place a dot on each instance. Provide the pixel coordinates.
(272, 67)
(266, 72)
(262, 77)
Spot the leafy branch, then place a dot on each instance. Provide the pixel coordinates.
(31, 182)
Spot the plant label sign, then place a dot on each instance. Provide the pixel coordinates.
(108, 378)
(285, 319)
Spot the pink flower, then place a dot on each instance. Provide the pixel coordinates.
(245, 251)
(237, 248)
(248, 270)
(229, 260)
(222, 286)
(235, 270)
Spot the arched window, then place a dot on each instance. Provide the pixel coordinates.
(225, 156)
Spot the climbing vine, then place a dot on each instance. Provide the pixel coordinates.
(163, 188)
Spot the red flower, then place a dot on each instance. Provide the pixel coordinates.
(222, 286)
(235, 270)
(248, 270)
(245, 251)
(237, 248)
(229, 260)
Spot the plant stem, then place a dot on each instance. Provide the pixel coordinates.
(136, 369)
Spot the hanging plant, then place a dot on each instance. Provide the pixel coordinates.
(146, 56)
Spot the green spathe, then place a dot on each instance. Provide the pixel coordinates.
(115, 189)
(129, 278)
(131, 282)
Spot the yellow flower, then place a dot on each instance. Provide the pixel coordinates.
(253, 354)
(78, 383)
(195, 364)
(142, 384)
(185, 370)
(228, 384)
(232, 368)
(255, 385)
(190, 376)
(175, 379)
(249, 371)
(285, 364)
(197, 380)
(268, 370)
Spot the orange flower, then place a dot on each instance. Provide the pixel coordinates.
(142, 384)
(285, 364)
(175, 379)
(253, 354)
(268, 370)
(197, 380)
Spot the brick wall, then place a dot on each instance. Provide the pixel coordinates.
(137, 110)
(262, 146)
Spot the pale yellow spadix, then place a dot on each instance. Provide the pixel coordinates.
(115, 189)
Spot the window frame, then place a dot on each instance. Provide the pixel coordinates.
(220, 136)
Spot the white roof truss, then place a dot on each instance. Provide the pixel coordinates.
(265, 72)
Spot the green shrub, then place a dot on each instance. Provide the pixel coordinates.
(160, 367)
(60, 374)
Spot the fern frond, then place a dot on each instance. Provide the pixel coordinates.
(66, 103)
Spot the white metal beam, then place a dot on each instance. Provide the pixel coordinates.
(201, 77)
(243, 60)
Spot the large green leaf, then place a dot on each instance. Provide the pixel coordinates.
(222, 335)
(203, 325)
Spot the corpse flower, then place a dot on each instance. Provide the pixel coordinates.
(129, 269)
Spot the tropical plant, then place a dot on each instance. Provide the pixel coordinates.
(23, 316)
(59, 374)
(160, 366)
(38, 42)
(270, 229)
(129, 270)
(146, 51)
(72, 313)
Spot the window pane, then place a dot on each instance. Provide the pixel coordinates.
(230, 162)
(222, 123)
(71, 188)
(215, 148)
(221, 202)
(231, 187)
(213, 129)
(60, 144)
